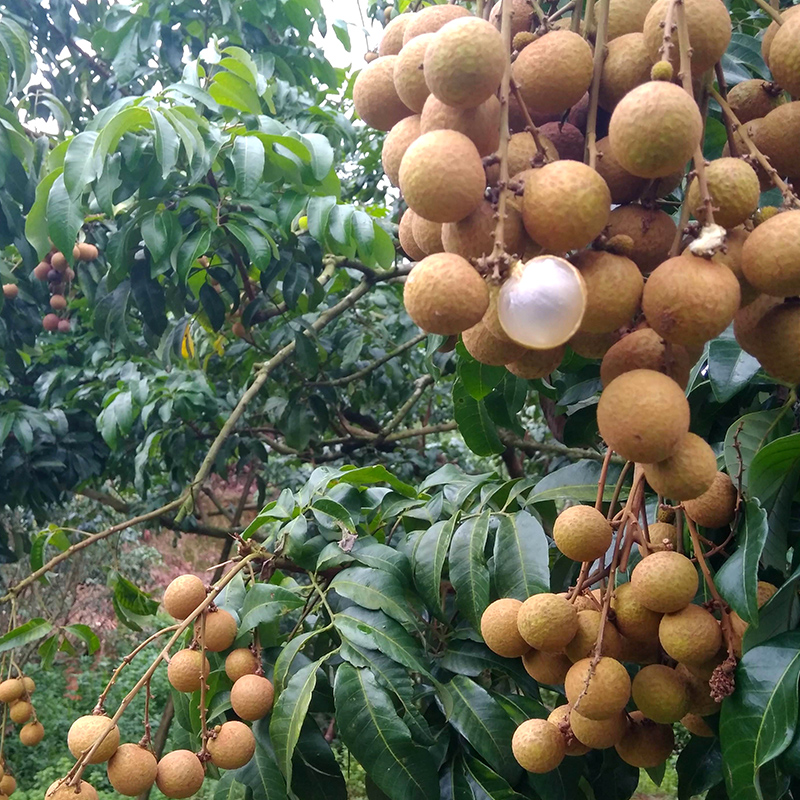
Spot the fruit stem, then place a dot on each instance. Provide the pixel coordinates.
(203, 754)
(559, 12)
(594, 90)
(772, 12)
(618, 490)
(530, 126)
(145, 740)
(723, 91)
(665, 50)
(577, 13)
(601, 484)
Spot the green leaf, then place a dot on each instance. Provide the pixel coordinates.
(265, 602)
(261, 774)
(371, 553)
(521, 565)
(149, 297)
(376, 474)
(489, 781)
(47, 651)
(737, 579)
(168, 143)
(478, 379)
(36, 231)
(81, 166)
(377, 737)
(213, 305)
(307, 354)
(427, 559)
(376, 590)
(130, 596)
(474, 423)
(754, 431)
(468, 571)
(192, 247)
(129, 120)
(317, 774)
(699, 767)
(577, 482)
(759, 719)
(248, 164)
(779, 614)
(64, 218)
(85, 634)
(31, 631)
(50, 536)
(730, 369)
(231, 90)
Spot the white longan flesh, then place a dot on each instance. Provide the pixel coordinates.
(541, 304)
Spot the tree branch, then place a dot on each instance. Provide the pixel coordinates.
(553, 448)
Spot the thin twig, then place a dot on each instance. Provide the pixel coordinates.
(594, 90)
(772, 12)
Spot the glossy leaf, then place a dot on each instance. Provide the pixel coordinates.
(248, 163)
(730, 369)
(478, 379)
(753, 431)
(428, 558)
(80, 164)
(261, 774)
(64, 218)
(374, 589)
(576, 482)
(474, 423)
(699, 767)
(779, 614)
(468, 571)
(30, 631)
(265, 602)
(317, 775)
(520, 567)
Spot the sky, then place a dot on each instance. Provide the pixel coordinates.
(361, 40)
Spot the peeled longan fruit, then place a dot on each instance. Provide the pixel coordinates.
(752, 99)
(626, 66)
(598, 733)
(20, 711)
(480, 124)
(734, 189)
(716, 506)
(660, 694)
(8, 785)
(772, 30)
(643, 415)
(568, 141)
(660, 532)
(633, 620)
(547, 622)
(583, 643)
(778, 335)
(395, 145)
(473, 236)
(444, 294)
(582, 533)
(85, 731)
(233, 746)
(240, 662)
(655, 129)
(709, 27)
(614, 290)
(533, 364)
(483, 346)
(652, 232)
(431, 19)
(559, 717)
(392, 41)
(547, 668)
(220, 630)
(183, 595)
(608, 692)
(665, 582)
(499, 628)
(521, 15)
(689, 300)
(60, 790)
(252, 697)
(31, 734)
(405, 233)
(538, 745)
(777, 136)
(691, 635)
(11, 689)
(645, 349)
(685, 474)
(184, 668)
(375, 97)
(566, 204)
(442, 177)
(623, 186)
(427, 235)
(553, 72)
(409, 78)
(784, 56)
(132, 770)
(697, 725)
(646, 744)
(771, 255)
(180, 774)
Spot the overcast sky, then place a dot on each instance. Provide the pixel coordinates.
(361, 40)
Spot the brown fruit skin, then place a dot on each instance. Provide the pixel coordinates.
(623, 186)
(480, 124)
(395, 145)
(409, 79)
(547, 622)
(392, 41)
(784, 56)
(626, 16)
(10, 290)
(771, 255)
(583, 643)
(665, 582)
(405, 233)
(499, 628)
(180, 774)
(659, 532)
(609, 688)
(58, 302)
(535, 364)
(747, 319)
(565, 205)
(697, 725)
(220, 630)
(689, 300)
(634, 621)
(734, 189)
(582, 533)
(20, 711)
(538, 745)
(643, 415)
(50, 322)
(252, 697)
(86, 730)
(8, 785)
(241, 662)
(660, 694)
(183, 671)
(132, 770)
(521, 15)
(614, 288)
(431, 19)
(40, 271)
(645, 349)
(691, 635)
(442, 177)
(598, 733)
(709, 27)
(427, 235)
(63, 792)
(568, 141)
(750, 100)
(655, 129)
(553, 72)
(732, 259)
(646, 744)
(547, 668)
(560, 717)
(31, 734)
(687, 473)
(717, 506)
(593, 345)
(772, 30)
(375, 96)
(778, 335)
(233, 745)
(445, 294)
(777, 136)
(652, 231)
(483, 346)
(626, 66)
(58, 262)
(521, 152)
(183, 595)
(86, 252)
(11, 689)
(473, 236)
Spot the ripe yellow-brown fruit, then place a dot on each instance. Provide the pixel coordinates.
(431, 19)
(772, 30)
(405, 233)
(240, 662)
(58, 302)
(593, 345)
(8, 785)
(660, 694)
(732, 259)
(220, 630)
(442, 177)
(614, 290)
(784, 56)
(697, 725)
(553, 72)
(395, 145)
(534, 364)
(626, 66)
(483, 346)
(752, 99)
(61, 791)
(623, 186)
(58, 262)
(764, 592)
(521, 14)
(652, 232)
(465, 61)
(566, 204)
(84, 251)
(643, 415)
(568, 141)
(608, 692)
(473, 236)
(709, 27)
(445, 294)
(646, 744)
(183, 595)
(642, 653)
(538, 745)
(11, 689)
(746, 321)
(499, 628)
(20, 711)
(663, 536)
(409, 78)
(645, 349)
(547, 668)
(85, 731)
(598, 733)
(635, 621)
(583, 643)
(180, 774)
(777, 136)
(392, 41)
(626, 16)
(691, 635)
(480, 124)
(10, 290)
(765, 182)
(29, 684)
(375, 97)
(582, 533)
(689, 300)
(664, 582)
(559, 717)
(715, 507)
(522, 151)
(184, 668)
(734, 189)
(31, 734)
(50, 322)
(771, 255)
(547, 622)
(41, 270)
(687, 473)
(233, 746)
(132, 770)
(778, 334)
(427, 234)
(655, 129)
(252, 697)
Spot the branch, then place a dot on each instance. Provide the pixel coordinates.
(594, 90)
(117, 503)
(772, 12)
(420, 385)
(554, 448)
